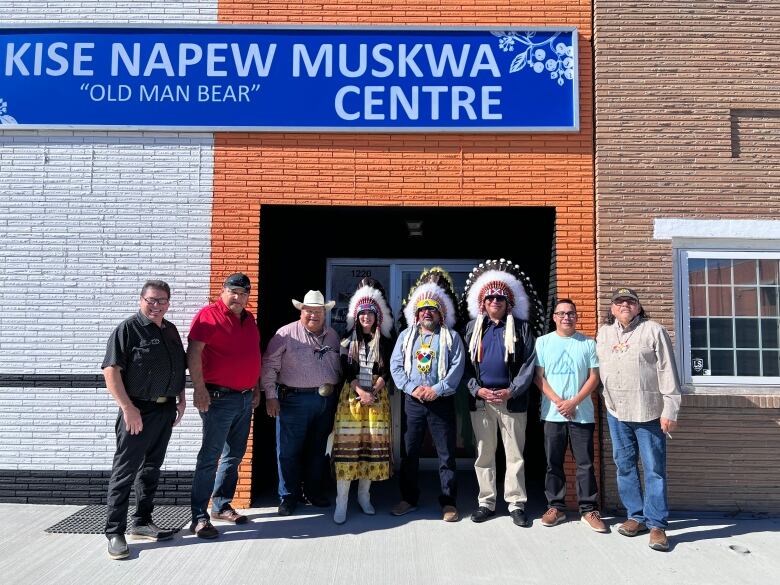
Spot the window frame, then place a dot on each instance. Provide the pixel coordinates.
(698, 250)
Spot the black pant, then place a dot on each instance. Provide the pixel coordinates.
(138, 457)
(557, 436)
(439, 417)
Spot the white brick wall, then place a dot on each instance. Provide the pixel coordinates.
(73, 429)
(84, 220)
(109, 11)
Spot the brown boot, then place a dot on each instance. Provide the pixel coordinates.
(631, 528)
(450, 514)
(658, 540)
(402, 507)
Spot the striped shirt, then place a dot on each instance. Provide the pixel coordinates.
(300, 359)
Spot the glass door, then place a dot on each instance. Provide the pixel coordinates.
(342, 280)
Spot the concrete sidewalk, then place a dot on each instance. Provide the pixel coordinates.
(308, 548)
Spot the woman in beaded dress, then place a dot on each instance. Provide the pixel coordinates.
(362, 444)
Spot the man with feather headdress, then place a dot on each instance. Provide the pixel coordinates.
(500, 369)
(427, 365)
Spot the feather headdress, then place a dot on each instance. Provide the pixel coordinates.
(501, 278)
(370, 298)
(434, 288)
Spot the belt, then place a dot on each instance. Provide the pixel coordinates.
(291, 389)
(217, 390)
(158, 400)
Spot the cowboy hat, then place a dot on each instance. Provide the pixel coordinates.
(313, 298)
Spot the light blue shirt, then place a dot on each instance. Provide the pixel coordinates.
(566, 362)
(408, 382)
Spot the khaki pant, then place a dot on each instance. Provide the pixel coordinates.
(486, 421)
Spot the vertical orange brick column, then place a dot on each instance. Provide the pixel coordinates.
(235, 232)
(552, 170)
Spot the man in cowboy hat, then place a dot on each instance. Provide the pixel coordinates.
(301, 367)
(223, 357)
(427, 365)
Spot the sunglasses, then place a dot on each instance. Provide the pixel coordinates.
(491, 298)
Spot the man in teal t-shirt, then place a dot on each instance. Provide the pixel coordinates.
(567, 373)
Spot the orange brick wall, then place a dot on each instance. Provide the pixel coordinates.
(555, 170)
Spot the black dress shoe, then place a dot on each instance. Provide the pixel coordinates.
(319, 501)
(117, 546)
(518, 517)
(286, 506)
(481, 514)
(150, 532)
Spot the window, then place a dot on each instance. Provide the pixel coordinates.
(730, 316)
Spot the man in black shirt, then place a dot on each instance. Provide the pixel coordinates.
(144, 369)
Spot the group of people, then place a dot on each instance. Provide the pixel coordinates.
(317, 386)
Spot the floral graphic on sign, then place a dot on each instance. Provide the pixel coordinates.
(540, 56)
(5, 118)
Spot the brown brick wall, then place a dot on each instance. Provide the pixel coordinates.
(678, 85)
(712, 467)
(667, 76)
(556, 170)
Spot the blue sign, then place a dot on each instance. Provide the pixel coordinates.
(289, 79)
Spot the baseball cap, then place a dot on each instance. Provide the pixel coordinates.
(238, 280)
(623, 292)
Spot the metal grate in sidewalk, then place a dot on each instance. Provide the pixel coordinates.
(92, 519)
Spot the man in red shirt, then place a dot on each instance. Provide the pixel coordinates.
(223, 357)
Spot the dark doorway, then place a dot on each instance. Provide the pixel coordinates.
(297, 241)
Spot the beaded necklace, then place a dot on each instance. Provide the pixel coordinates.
(425, 354)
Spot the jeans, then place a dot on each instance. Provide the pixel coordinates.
(631, 440)
(138, 459)
(439, 417)
(225, 433)
(305, 420)
(558, 436)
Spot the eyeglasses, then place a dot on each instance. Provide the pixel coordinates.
(569, 314)
(624, 302)
(312, 311)
(154, 301)
(427, 310)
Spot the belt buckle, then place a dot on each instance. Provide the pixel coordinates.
(161, 399)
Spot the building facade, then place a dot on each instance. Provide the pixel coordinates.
(88, 216)
(674, 193)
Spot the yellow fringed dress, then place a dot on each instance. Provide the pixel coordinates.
(362, 440)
